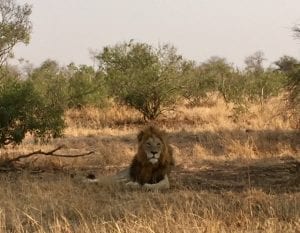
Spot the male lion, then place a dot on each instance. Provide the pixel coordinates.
(152, 163)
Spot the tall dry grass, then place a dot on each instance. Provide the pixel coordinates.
(231, 175)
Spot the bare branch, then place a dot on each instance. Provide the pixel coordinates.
(50, 153)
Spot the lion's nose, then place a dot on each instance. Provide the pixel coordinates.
(154, 152)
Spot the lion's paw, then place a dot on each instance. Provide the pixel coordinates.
(148, 186)
(132, 184)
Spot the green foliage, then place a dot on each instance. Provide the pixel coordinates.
(143, 77)
(24, 107)
(293, 84)
(69, 87)
(86, 87)
(50, 81)
(287, 64)
(23, 110)
(198, 82)
(254, 84)
(293, 88)
(224, 76)
(263, 85)
(15, 26)
(215, 75)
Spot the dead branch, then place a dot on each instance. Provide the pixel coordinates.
(49, 153)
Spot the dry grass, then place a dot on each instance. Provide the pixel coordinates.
(231, 176)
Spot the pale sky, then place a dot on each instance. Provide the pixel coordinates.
(65, 30)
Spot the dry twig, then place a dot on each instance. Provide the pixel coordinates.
(48, 153)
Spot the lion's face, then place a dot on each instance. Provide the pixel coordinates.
(151, 145)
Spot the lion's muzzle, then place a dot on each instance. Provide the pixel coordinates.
(153, 156)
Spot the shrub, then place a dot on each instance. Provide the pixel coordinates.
(23, 110)
(143, 77)
(85, 87)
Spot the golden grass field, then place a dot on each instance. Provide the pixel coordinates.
(230, 176)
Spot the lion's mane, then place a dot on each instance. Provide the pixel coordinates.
(143, 171)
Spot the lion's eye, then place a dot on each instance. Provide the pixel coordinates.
(148, 144)
(159, 144)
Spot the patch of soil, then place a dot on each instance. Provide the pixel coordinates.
(272, 175)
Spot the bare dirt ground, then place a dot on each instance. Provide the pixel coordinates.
(271, 176)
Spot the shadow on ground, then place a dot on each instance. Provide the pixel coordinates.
(270, 141)
(269, 175)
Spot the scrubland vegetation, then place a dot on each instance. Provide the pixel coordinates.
(235, 134)
(230, 176)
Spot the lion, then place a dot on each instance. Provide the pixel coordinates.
(151, 165)
(153, 161)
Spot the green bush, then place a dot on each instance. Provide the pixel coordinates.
(215, 75)
(143, 77)
(50, 82)
(240, 87)
(293, 88)
(85, 87)
(23, 110)
(263, 85)
(197, 85)
(290, 66)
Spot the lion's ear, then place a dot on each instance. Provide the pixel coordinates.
(140, 136)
